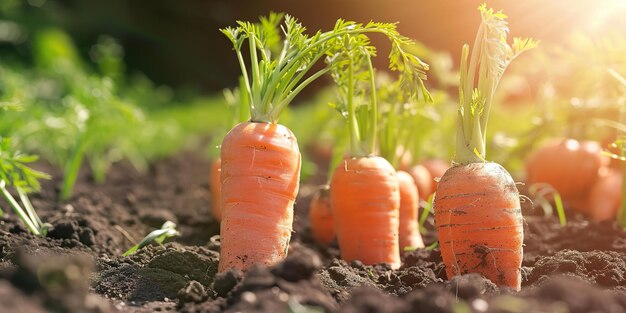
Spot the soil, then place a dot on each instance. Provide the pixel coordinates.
(79, 267)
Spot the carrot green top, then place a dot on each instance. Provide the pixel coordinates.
(281, 57)
(490, 57)
(400, 120)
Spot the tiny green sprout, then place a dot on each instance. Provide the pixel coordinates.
(409, 249)
(168, 230)
(539, 194)
(428, 205)
(432, 246)
(293, 306)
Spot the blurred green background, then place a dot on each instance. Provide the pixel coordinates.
(177, 43)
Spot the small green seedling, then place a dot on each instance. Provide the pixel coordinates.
(540, 194)
(167, 230)
(15, 173)
(427, 205)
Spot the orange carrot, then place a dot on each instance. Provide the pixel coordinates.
(479, 223)
(424, 182)
(604, 197)
(321, 217)
(568, 165)
(365, 200)
(260, 179)
(477, 206)
(426, 175)
(409, 235)
(216, 188)
(436, 168)
(364, 194)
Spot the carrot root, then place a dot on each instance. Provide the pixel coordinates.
(321, 217)
(216, 188)
(365, 199)
(260, 180)
(479, 223)
(409, 235)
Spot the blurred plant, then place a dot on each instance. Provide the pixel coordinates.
(568, 86)
(620, 144)
(15, 173)
(72, 114)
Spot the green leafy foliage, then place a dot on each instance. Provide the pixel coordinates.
(277, 75)
(15, 173)
(480, 77)
(72, 115)
(14, 169)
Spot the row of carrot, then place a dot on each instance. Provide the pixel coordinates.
(371, 203)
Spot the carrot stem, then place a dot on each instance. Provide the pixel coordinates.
(353, 124)
(373, 109)
(30, 224)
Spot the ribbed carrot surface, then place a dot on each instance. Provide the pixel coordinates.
(260, 180)
(216, 188)
(479, 223)
(321, 217)
(365, 201)
(409, 235)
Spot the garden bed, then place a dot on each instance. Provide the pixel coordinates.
(78, 267)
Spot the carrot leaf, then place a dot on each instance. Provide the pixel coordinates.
(14, 172)
(490, 56)
(278, 70)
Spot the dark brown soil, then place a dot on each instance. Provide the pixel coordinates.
(78, 267)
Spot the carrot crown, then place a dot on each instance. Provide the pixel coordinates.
(281, 58)
(490, 57)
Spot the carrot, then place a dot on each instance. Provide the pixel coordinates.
(260, 179)
(477, 208)
(436, 168)
(238, 106)
(365, 196)
(424, 181)
(604, 197)
(409, 235)
(321, 217)
(260, 158)
(568, 165)
(216, 188)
